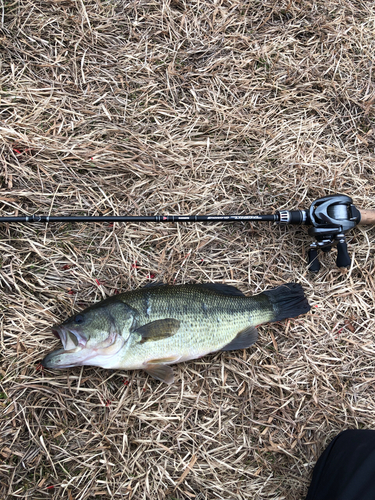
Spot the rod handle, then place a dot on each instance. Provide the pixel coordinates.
(367, 217)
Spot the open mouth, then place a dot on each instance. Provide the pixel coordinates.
(70, 339)
(72, 352)
(78, 351)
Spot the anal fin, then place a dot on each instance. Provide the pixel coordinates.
(245, 338)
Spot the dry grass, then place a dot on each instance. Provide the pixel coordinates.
(109, 107)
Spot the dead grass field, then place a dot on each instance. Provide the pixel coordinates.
(204, 107)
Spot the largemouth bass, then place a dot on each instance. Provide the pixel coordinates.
(156, 326)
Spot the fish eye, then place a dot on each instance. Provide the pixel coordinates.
(79, 318)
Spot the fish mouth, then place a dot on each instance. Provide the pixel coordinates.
(76, 352)
(72, 352)
(70, 338)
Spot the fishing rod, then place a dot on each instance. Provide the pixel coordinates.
(330, 218)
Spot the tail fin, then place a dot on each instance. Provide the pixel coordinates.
(288, 301)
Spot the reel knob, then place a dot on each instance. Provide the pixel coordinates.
(343, 259)
(314, 264)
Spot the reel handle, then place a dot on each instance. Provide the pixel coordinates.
(314, 264)
(343, 259)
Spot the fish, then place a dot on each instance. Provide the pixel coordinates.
(154, 327)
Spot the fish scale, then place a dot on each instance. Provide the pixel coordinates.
(154, 327)
(202, 329)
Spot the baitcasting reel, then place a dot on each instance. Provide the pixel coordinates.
(330, 218)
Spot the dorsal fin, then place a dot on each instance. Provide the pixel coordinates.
(222, 289)
(154, 283)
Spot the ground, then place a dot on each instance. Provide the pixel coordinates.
(202, 107)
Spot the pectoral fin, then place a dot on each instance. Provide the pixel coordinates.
(245, 338)
(164, 373)
(157, 330)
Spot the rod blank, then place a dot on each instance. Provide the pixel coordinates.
(146, 218)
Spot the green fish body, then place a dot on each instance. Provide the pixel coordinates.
(156, 326)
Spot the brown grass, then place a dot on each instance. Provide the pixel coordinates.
(147, 107)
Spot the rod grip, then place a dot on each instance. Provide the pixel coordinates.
(367, 217)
